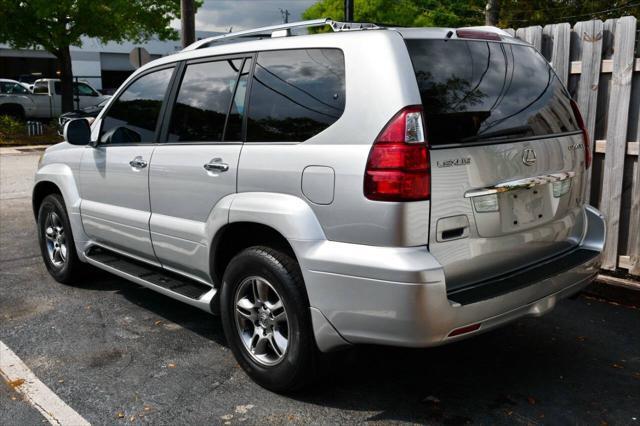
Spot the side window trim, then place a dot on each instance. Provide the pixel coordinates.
(176, 82)
(123, 89)
(233, 95)
(169, 102)
(247, 96)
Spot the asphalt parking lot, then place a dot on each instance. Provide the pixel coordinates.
(118, 353)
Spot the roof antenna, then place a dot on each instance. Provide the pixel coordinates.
(448, 36)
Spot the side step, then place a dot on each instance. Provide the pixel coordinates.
(168, 283)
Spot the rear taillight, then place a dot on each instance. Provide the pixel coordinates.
(398, 164)
(585, 134)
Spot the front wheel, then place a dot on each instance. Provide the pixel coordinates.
(265, 315)
(56, 240)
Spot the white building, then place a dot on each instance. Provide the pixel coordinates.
(104, 66)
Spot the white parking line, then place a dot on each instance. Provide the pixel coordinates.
(17, 374)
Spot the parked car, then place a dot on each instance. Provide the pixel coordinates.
(89, 113)
(396, 186)
(17, 94)
(45, 100)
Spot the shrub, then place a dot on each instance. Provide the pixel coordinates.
(9, 126)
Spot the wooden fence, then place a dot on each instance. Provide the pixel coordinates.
(600, 63)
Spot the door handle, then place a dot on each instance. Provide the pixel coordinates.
(216, 165)
(138, 163)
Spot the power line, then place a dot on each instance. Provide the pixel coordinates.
(597, 12)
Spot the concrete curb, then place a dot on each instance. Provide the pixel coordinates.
(624, 291)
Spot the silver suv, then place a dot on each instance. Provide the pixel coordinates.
(408, 187)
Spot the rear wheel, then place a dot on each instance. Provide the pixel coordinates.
(56, 241)
(265, 315)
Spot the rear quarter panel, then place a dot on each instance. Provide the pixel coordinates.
(379, 82)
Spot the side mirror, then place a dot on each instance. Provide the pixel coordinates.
(77, 132)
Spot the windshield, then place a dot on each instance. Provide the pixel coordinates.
(478, 90)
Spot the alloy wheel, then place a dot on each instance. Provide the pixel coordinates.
(261, 321)
(55, 239)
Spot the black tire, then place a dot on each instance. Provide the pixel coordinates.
(70, 269)
(299, 362)
(13, 111)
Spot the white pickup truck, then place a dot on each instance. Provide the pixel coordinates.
(46, 99)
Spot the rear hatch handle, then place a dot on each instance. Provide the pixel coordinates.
(525, 183)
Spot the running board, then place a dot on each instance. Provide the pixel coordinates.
(170, 284)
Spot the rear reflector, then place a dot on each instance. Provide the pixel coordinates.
(478, 35)
(464, 330)
(585, 134)
(398, 165)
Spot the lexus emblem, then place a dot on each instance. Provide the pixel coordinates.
(529, 157)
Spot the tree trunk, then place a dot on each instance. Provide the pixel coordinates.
(66, 79)
(188, 21)
(491, 15)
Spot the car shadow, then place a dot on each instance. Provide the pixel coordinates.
(188, 317)
(526, 372)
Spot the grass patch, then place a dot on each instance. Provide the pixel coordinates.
(14, 133)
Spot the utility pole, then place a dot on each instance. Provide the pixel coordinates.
(285, 15)
(348, 10)
(491, 13)
(188, 20)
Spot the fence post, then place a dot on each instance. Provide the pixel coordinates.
(617, 122)
(590, 35)
(555, 47)
(532, 35)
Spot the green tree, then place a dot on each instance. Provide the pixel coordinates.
(523, 13)
(417, 13)
(57, 24)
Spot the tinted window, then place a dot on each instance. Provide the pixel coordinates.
(81, 89)
(134, 115)
(84, 90)
(12, 88)
(476, 90)
(203, 101)
(295, 94)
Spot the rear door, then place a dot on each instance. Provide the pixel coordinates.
(197, 166)
(507, 157)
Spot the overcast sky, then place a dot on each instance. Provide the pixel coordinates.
(219, 15)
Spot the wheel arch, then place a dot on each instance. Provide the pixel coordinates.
(40, 191)
(59, 178)
(234, 237)
(257, 218)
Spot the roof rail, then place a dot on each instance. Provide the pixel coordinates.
(487, 28)
(281, 30)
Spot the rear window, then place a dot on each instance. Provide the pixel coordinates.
(477, 90)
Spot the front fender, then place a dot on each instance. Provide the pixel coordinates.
(62, 176)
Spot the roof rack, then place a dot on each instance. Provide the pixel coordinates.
(281, 30)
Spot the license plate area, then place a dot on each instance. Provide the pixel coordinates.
(518, 210)
(524, 206)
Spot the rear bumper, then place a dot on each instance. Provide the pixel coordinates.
(398, 296)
